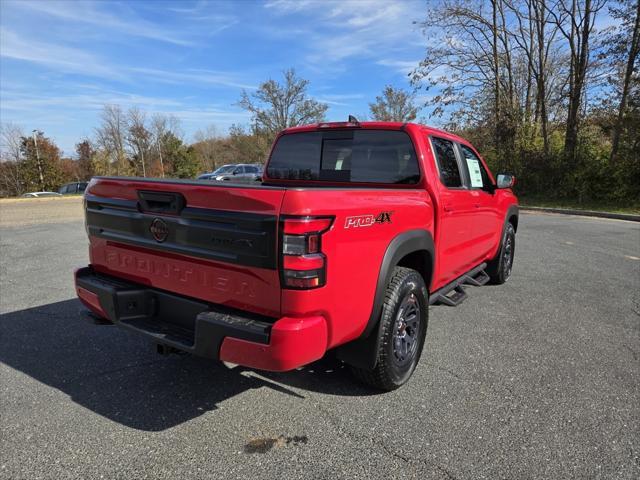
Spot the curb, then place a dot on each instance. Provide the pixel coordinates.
(585, 213)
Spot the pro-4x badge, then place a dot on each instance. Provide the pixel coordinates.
(367, 220)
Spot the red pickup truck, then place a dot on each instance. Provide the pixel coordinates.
(355, 230)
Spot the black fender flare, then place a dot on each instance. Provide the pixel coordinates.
(361, 352)
(512, 211)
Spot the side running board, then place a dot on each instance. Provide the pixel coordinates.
(453, 294)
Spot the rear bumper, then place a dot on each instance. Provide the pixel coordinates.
(201, 328)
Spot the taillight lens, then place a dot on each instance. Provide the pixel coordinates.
(303, 263)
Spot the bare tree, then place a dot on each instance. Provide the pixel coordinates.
(111, 137)
(543, 44)
(138, 137)
(536, 37)
(394, 105)
(159, 128)
(162, 129)
(575, 20)
(275, 106)
(625, 42)
(469, 62)
(10, 156)
(207, 148)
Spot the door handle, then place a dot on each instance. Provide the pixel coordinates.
(448, 208)
(477, 205)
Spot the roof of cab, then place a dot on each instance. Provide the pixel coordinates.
(374, 125)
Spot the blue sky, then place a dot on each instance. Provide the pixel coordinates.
(60, 62)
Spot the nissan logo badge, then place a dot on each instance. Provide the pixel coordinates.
(159, 230)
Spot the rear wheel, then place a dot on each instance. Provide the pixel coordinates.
(499, 269)
(403, 328)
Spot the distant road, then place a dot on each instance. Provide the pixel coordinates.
(34, 211)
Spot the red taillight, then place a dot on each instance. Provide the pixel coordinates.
(305, 225)
(303, 263)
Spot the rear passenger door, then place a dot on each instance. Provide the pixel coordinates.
(252, 172)
(238, 174)
(457, 211)
(486, 223)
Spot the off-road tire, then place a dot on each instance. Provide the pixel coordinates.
(499, 269)
(406, 291)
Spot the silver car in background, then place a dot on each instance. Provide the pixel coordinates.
(237, 172)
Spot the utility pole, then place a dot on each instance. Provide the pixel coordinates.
(144, 171)
(160, 153)
(35, 142)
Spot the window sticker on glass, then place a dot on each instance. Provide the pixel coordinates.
(474, 173)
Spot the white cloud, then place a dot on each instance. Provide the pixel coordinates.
(16, 101)
(341, 30)
(193, 76)
(402, 66)
(69, 60)
(90, 13)
(58, 57)
(338, 99)
(287, 6)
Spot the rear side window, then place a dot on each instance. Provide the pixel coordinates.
(358, 156)
(447, 162)
(478, 176)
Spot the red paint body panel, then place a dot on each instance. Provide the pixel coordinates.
(246, 288)
(354, 255)
(294, 343)
(465, 224)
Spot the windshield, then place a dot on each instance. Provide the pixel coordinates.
(358, 156)
(225, 169)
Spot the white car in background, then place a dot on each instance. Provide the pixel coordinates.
(40, 194)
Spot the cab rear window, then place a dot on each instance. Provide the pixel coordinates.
(357, 156)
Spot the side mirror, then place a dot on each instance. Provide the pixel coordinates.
(236, 171)
(506, 181)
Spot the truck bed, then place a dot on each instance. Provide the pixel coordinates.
(223, 241)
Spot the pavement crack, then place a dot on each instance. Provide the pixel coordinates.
(410, 461)
(359, 439)
(445, 472)
(393, 453)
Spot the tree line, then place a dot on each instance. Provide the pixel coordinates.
(541, 91)
(533, 84)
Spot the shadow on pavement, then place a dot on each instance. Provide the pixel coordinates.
(117, 374)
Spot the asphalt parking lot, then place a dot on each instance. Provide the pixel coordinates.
(539, 378)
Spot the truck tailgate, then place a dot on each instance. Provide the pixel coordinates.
(215, 242)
